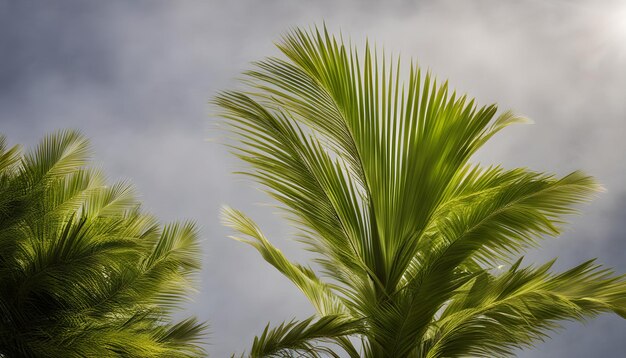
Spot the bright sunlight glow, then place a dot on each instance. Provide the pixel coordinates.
(616, 31)
(618, 25)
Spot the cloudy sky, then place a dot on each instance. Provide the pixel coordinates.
(136, 78)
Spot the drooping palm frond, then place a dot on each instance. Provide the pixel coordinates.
(374, 171)
(84, 272)
(319, 293)
(303, 337)
(521, 306)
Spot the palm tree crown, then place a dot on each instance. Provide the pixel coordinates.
(374, 173)
(83, 271)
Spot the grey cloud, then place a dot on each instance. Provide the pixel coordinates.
(136, 78)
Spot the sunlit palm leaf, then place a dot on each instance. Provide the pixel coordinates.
(375, 173)
(303, 337)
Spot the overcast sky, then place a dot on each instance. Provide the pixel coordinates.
(136, 77)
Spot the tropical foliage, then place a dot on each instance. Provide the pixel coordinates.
(417, 250)
(83, 271)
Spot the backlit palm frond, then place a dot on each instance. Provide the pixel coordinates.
(375, 172)
(302, 338)
(521, 306)
(300, 174)
(319, 293)
(494, 227)
(56, 155)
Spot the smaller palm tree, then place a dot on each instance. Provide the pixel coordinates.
(83, 271)
(375, 174)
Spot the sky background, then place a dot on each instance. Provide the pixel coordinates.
(136, 78)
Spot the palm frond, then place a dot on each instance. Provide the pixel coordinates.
(522, 306)
(83, 271)
(375, 172)
(300, 338)
(319, 293)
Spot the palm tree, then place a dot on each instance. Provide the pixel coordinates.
(83, 271)
(411, 237)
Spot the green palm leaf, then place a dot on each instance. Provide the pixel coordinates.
(302, 337)
(83, 271)
(374, 171)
